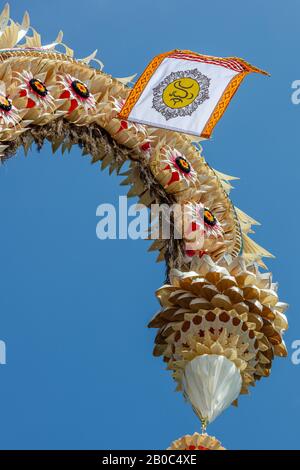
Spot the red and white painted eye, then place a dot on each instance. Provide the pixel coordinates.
(175, 172)
(9, 116)
(211, 224)
(178, 167)
(204, 220)
(35, 90)
(202, 230)
(77, 93)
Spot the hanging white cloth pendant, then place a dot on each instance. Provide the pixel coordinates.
(211, 383)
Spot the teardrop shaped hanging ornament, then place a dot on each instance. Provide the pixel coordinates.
(211, 383)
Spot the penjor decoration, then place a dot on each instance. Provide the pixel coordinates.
(220, 323)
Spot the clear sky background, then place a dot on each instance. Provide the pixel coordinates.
(74, 309)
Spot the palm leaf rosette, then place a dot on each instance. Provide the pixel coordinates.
(196, 442)
(229, 310)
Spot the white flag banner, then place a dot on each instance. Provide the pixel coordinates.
(185, 91)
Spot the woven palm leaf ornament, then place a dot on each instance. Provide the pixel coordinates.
(220, 323)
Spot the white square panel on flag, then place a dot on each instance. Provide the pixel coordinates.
(185, 91)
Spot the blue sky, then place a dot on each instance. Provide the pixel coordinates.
(80, 372)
